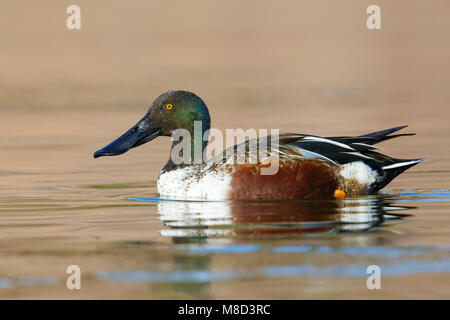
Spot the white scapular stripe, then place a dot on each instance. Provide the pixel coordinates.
(359, 155)
(367, 145)
(319, 139)
(401, 164)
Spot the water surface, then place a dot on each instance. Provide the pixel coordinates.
(306, 67)
(60, 207)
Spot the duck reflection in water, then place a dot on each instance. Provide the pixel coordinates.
(274, 218)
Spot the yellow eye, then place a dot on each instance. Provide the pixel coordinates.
(169, 106)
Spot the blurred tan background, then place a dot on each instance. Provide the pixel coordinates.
(130, 52)
(300, 66)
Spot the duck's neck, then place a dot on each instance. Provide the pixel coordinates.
(188, 149)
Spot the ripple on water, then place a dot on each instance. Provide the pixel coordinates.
(274, 218)
(223, 219)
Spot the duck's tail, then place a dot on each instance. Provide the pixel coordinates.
(349, 150)
(387, 166)
(392, 170)
(383, 135)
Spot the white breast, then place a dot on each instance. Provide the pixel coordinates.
(185, 184)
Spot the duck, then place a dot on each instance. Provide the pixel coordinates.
(307, 166)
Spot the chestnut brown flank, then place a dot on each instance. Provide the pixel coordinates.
(295, 180)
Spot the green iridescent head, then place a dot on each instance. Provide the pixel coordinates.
(178, 110)
(170, 111)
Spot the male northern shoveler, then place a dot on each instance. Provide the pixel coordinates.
(308, 166)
